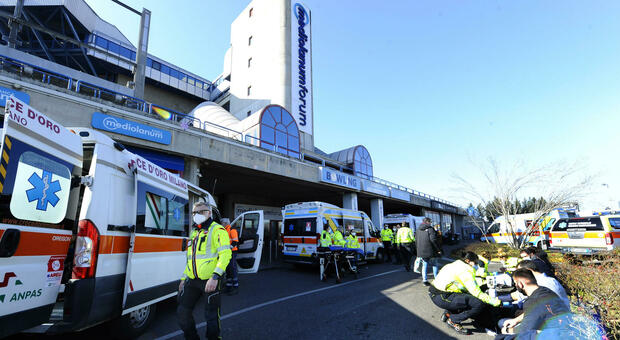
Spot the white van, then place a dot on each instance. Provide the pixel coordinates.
(304, 222)
(500, 230)
(394, 220)
(89, 232)
(586, 235)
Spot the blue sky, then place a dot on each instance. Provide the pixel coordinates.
(427, 86)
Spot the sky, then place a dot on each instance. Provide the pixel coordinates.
(432, 88)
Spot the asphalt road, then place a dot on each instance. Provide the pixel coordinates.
(286, 302)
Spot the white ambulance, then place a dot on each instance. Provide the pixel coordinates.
(304, 222)
(89, 232)
(396, 220)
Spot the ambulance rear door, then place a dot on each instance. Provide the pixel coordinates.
(39, 157)
(251, 228)
(156, 257)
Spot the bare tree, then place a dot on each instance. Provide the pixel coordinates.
(560, 185)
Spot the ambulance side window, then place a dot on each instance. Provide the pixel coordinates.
(36, 188)
(160, 212)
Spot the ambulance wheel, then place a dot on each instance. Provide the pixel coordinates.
(133, 324)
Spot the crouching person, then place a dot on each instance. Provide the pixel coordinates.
(455, 290)
(208, 255)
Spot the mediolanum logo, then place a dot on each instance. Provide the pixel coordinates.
(130, 128)
(301, 14)
(111, 123)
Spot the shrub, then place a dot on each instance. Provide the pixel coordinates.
(592, 284)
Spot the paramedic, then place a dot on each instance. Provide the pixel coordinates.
(455, 290)
(405, 239)
(232, 277)
(208, 254)
(386, 237)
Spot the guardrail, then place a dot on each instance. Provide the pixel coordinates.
(185, 120)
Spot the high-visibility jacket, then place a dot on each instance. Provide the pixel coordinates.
(208, 252)
(483, 271)
(404, 235)
(326, 239)
(459, 277)
(337, 238)
(233, 236)
(351, 242)
(387, 235)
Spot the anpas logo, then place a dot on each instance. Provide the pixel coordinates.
(111, 123)
(303, 19)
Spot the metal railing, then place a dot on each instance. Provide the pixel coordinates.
(185, 120)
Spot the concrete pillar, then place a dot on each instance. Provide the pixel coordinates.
(192, 170)
(376, 212)
(349, 200)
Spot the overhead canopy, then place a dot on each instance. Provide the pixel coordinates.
(357, 157)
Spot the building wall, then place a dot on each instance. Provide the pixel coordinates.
(269, 74)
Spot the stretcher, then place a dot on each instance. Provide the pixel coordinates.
(341, 259)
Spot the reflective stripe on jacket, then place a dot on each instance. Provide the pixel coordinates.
(352, 242)
(459, 277)
(338, 239)
(326, 239)
(208, 252)
(387, 234)
(404, 235)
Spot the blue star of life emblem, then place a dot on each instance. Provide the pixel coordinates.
(43, 191)
(176, 214)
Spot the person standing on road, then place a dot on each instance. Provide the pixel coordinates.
(208, 254)
(232, 274)
(326, 239)
(405, 240)
(386, 237)
(455, 289)
(428, 248)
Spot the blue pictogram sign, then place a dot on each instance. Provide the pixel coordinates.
(176, 214)
(43, 191)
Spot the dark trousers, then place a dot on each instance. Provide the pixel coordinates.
(461, 306)
(232, 280)
(406, 255)
(387, 246)
(187, 299)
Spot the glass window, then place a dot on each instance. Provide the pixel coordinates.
(114, 48)
(585, 224)
(174, 73)
(156, 65)
(133, 55)
(177, 218)
(101, 42)
(250, 225)
(156, 211)
(560, 226)
(125, 52)
(191, 81)
(41, 189)
(149, 62)
(160, 212)
(165, 69)
(268, 134)
(615, 222)
(300, 227)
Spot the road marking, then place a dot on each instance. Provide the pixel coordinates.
(260, 305)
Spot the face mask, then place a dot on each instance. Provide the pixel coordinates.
(199, 219)
(476, 267)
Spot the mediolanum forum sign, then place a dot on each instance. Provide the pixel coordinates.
(132, 129)
(301, 62)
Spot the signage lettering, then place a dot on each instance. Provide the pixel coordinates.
(154, 170)
(6, 93)
(129, 128)
(339, 178)
(301, 50)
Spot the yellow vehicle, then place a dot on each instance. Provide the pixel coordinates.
(586, 235)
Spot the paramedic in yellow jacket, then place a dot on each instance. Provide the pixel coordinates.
(208, 254)
(455, 290)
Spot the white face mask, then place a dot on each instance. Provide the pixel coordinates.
(199, 218)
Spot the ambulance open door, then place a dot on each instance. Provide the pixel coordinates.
(158, 241)
(251, 228)
(39, 158)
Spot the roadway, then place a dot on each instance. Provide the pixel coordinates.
(286, 302)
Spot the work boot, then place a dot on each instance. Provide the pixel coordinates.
(457, 327)
(233, 291)
(426, 283)
(445, 316)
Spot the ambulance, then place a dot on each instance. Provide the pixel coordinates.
(89, 232)
(395, 220)
(499, 231)
(586, 235)
(304, 222)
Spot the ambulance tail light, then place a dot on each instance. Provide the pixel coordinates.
(86, 250)
(609, 239)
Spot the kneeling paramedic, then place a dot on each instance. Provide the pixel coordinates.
(208, 254)
(455, 290)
